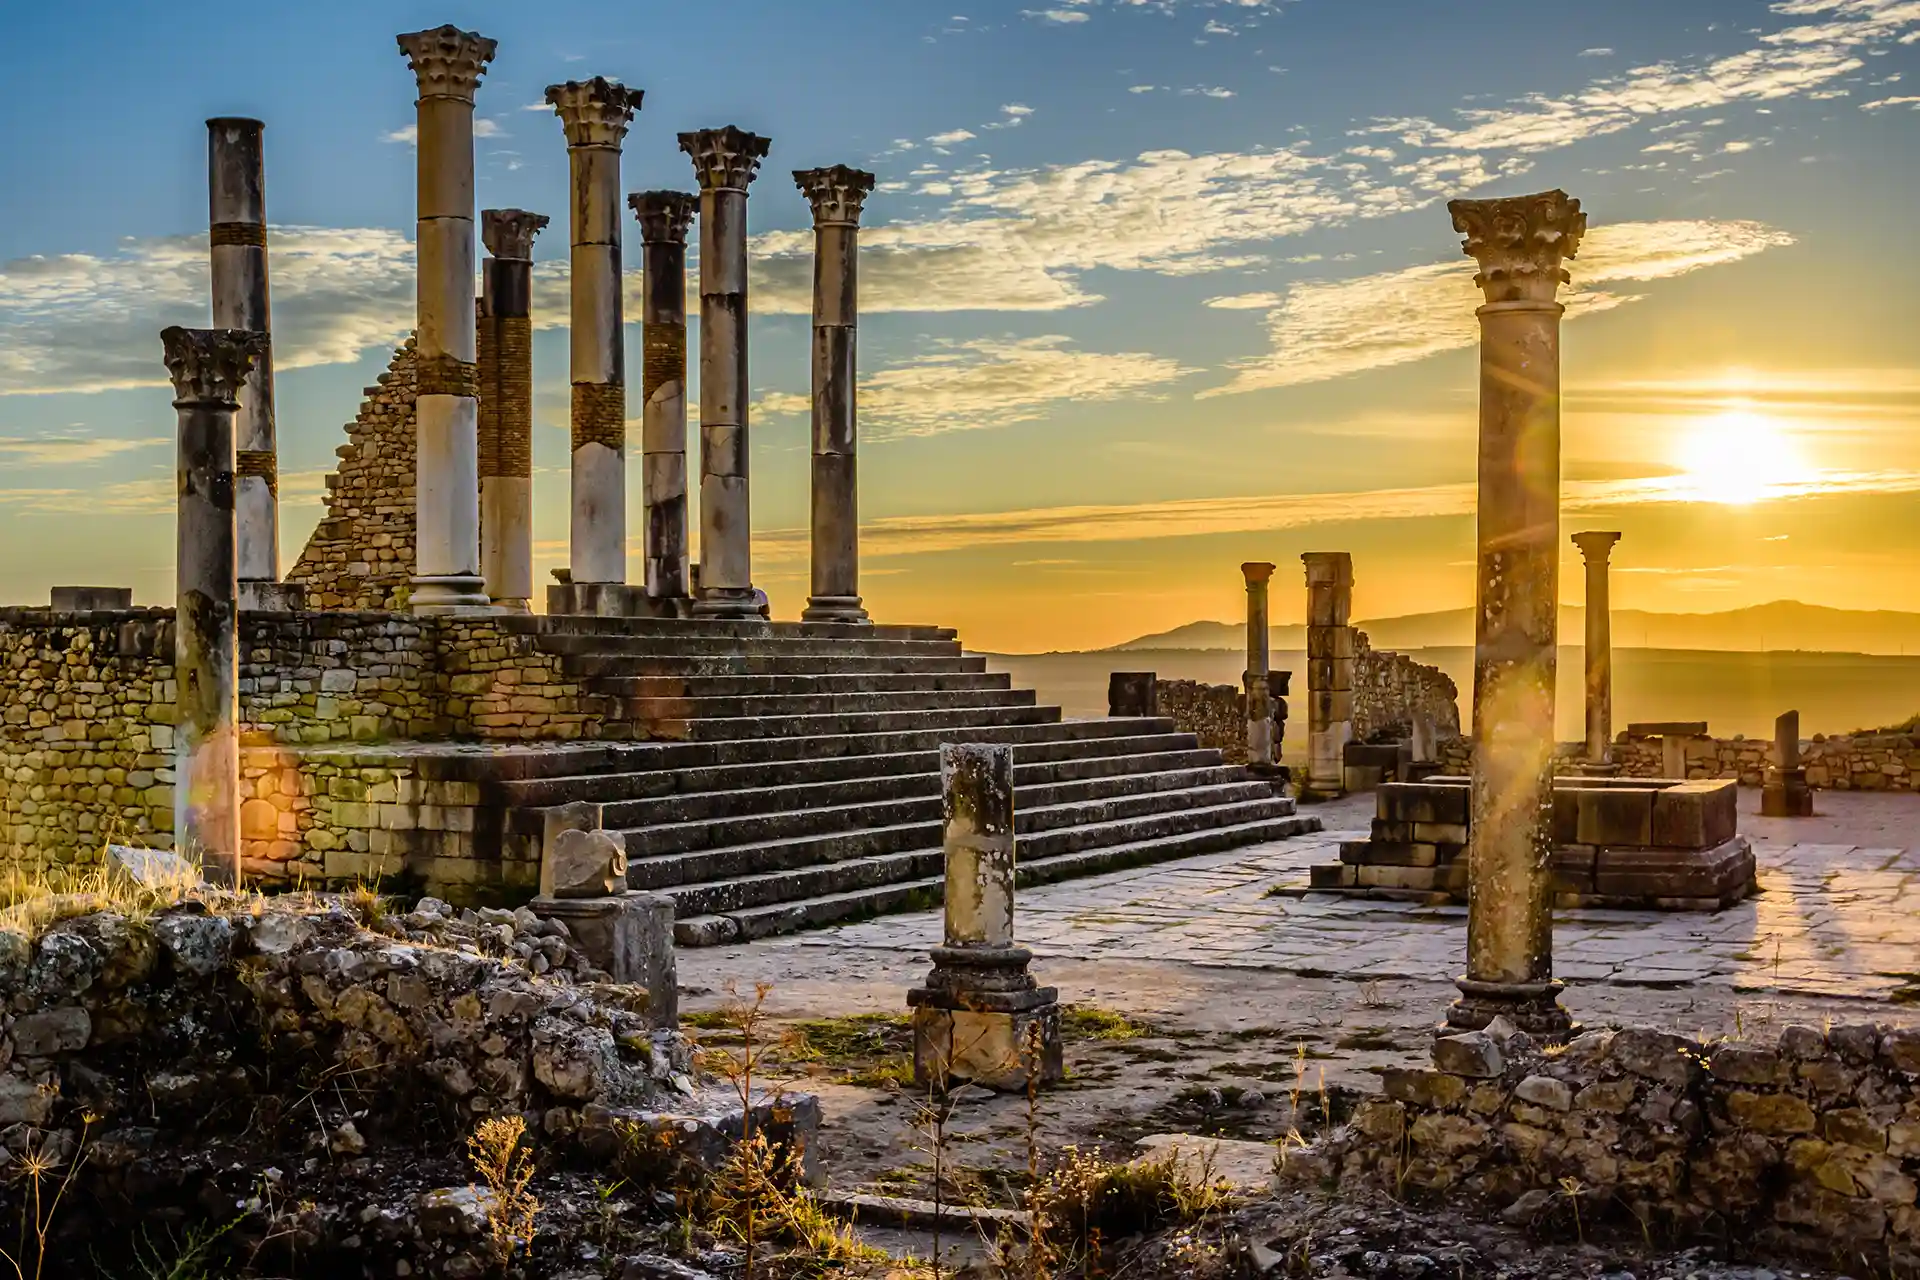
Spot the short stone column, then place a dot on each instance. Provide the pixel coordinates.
(447, 64)
(981, 1017)
(1520, 245)
(1595, 548)
(208, 367)
(1785, 793)
(1255, 681)
(664, 217)
(1329, 668)
(237, 226)
(596, 114)
(837, 195)
(725, 161)
(506, 406)
(583, 884)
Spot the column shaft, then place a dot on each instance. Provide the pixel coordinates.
(448, 64)
(1595, 548)
(506, 406)
(237, 213)
(1259, 692)
(664, 217)
(1329, 668)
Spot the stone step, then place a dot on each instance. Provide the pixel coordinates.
(589, 664)
(1059, 759)
(779, 870)
(835, 724)
(822, 811)
(771, 645)
(926, 891)
(714, 628)
(764, 686)
(779, 705)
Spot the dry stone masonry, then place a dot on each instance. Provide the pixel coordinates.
(505, 345)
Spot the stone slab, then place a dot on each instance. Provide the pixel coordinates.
(630, 935)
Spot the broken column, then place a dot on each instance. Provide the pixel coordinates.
(448, 64)
(506, 406)
(981, 1017)
(725, 161)
(1785, 794)
(1329, 668)
(1520, 244)
(1595, 548)
(237, 227)
(1255, 681)
(664, 217)
(583, 884)
(208, 367)
(595, 114)
(836, 194)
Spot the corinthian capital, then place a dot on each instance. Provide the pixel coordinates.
(208, 366)
(1520, 243)
(1595, 546)
(509, 233)
(447, 61)
(725, 159)
(664, 216)
(596, 112)
(836, 193)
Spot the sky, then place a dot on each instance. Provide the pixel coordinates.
(1149, 287)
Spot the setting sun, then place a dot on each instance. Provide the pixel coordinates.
(1738, 457)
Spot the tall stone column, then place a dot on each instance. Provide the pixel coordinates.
(209, 367)
(448, 64)
(595, 114)
(725, 161)
(1519, 244)
(237, 217)
(1259, 691)
(506, 406)
(836, 195)
(1329, 668)
(1596, 548)
(664, 217)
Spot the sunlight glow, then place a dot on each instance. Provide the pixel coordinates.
(1738, 457)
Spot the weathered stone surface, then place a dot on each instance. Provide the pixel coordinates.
(1770, 1113)
(63, 1030)
(1656, 1055)
(1545, 1091)
(1739, 1064)
(1473, 1055)
(585, 864)
(150, 868)
(1423, 1088)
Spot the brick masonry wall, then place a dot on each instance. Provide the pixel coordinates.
(1389, 689)
(1809, 1142)
(1868, 762)
(1216, 714)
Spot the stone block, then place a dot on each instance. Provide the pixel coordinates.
(1614, 816)
(1428, 801)
(1333, 875)
(63, 1030)
(1329, 706)
(1695, 815)
(1473, 1054)
(1721, 875)
(1389, 853)
(630, 935)
(998, 1050)
(1667, 729)
(1334, 644)
(583, 864)
(1133, 693)
(151, 869)
(1392, 877)
(1440, 832)
(91, 599)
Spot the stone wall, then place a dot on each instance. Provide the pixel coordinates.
(360, 555)
(1809, 1143)
(1390, 689)
(1216, 714)
(1867, 762)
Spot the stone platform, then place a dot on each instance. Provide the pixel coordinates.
(1618, 842)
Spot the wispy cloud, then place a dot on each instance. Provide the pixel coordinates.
(1332, 329)
(952, 137)
(482, 128)
(1061, 16)
(69, 451)
(1882, 104)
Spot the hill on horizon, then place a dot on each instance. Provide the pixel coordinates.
(1780, 625)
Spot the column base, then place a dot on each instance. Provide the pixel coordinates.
(835, 609)
(453, 594)
(1534, 1007)
(982, 1020)
(742, 603)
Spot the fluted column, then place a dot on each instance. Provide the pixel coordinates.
(1330, 652)
(1595, 548)
(506, 406)
(595, 114)
(664, 217)
(448, 64)
(237, 217)
(725, 162)
(837, 195)
(1259, 693)
(1519, 244)
(208, 367)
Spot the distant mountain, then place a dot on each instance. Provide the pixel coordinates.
(1784, 624)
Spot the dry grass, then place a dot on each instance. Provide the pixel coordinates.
(34, 897)
(1086, 1199)
(496, 1149)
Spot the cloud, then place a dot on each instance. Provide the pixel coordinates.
(1883, 103)
(1598, 51)
(1799, 58)
(1206, 91)
(482, 128)
(1324, 330)
(69, 451)
(1012, 116)
(1244, 302)
(993, 382)
(1056, 15)
(951, 137)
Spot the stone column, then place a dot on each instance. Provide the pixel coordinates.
(1596, 548)
(237, 216)
(725, 161)
(981, 1017)
(448, 64)
(1519, 244)
(209, 367)
(506, 406)
(1329, 668)
(836, 195)
(1259, 691)
(595, 114)
(1785, 793)
(664, 217)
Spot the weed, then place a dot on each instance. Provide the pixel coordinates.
(1091, 1022)
(37, 1165)
(1572, 1188)
(506, 1167)
(1086, 1197)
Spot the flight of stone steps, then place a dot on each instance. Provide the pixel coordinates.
(780, 776)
